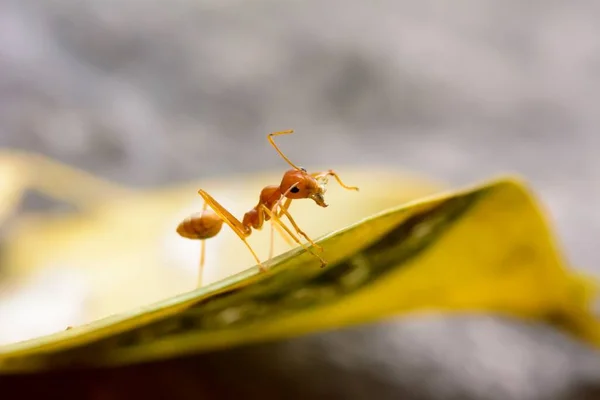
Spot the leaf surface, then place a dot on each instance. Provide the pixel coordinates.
(487, 249)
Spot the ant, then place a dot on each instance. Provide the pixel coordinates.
(296, 184)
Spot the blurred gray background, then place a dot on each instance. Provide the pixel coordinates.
(149, 92)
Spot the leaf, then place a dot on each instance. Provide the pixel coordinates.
(124, 253)
(484, 249)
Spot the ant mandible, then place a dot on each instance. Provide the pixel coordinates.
(296, 184)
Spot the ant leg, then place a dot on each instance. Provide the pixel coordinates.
(278, 221)
(299, 231)
(285, 205)
(283, 235)
(201, 266)
(274, 226)
(272, 243)
(270, 138)
(283, 209)
(318, 175)
(242, 231)
(202, 254)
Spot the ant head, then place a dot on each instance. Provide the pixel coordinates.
(299, 184)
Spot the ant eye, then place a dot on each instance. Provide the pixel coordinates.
(302, 169)
(295, 189)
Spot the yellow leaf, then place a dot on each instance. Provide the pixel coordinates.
(484, 249)
(123, 252)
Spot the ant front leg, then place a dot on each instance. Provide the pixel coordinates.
(242, 231)
(289, 232)
(280, 230)
(324, 174)
(298, 230)
(283, 210)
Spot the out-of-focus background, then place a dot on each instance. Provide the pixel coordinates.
(152, 94)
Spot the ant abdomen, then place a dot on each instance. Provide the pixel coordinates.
(201, 226)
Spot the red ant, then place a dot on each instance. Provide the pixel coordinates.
(296, 184)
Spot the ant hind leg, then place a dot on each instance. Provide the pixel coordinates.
(202, 254)
(233, 223)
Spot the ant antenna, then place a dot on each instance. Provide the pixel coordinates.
(270, 137)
